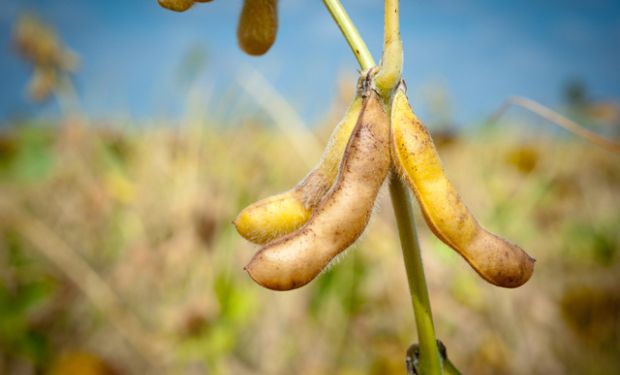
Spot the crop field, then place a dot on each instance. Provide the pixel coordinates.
(117, 255)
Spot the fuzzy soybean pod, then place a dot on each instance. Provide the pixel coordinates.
(176, 5)
(340, 218)
(258, 26)
(495, 259)
(280, 214)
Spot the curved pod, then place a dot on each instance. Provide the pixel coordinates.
(495, 259)
(275, 216)
(295, 259)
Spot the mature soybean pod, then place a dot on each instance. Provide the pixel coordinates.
(275, 216)
(258, 26)
(340, 218)
(495, 259)
(176, 5)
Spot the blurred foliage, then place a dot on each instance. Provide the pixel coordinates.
(602, 115)
(149, 212)
(27, 296)
(38, 44)
(80, 363)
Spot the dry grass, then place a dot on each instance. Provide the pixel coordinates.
(119, 244)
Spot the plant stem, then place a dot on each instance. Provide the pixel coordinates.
(392, 21)
(449, 368)
(353, 37)
(392, 60)
(430, 360)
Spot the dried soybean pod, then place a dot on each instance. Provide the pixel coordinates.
(275, 216)
(258, 25)
(340, 218)
(495, 259)
(176, 5)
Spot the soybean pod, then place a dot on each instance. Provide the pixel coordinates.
(413, 152)
(340, 218)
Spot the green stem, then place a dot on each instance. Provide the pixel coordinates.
(449, 368)
(392, 60)
(353, 37)
(430, 360)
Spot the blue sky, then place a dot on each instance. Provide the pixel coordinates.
(480, 52)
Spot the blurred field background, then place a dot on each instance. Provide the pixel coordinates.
(117, 253)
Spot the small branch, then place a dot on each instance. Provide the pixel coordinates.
(557, 119)
(353, 37)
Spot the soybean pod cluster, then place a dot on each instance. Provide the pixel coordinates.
(302, 230)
